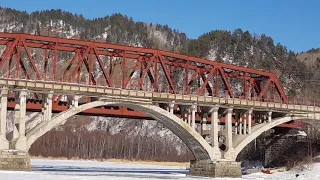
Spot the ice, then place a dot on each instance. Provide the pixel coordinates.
(89, 170)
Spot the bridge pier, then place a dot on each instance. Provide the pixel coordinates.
(223, 163)
(215, 168)
(14, 159)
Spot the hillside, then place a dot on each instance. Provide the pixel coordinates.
(310, 57)
(241, 48)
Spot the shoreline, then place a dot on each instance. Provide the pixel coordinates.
(124, 161)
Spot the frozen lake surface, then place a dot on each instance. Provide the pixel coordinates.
(94, 170)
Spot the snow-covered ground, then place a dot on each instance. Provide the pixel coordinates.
(89, 170)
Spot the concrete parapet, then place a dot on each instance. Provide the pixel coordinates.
(215, 169)
(12, 160)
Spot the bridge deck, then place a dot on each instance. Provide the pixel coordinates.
(147, 97)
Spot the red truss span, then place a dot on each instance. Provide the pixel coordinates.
(33, 57)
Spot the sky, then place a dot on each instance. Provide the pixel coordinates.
(293, 23)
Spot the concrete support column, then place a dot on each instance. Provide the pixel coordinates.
(171, 106)
(203, 123)
(44, 107)
(236, 127)
(75, 101)
(4, 143)
(185, 115)
(189, 116)
(49, 106)
(168, 108)
(228, 125)
(193, 116)
(182, 114)
(21, 143)
(245, 119)
(15, 135)
(240, 125)
(269, 116)
(215, 133)
(229, 154)
(249, 120)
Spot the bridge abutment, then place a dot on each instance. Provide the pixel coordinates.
(215, 168)
(13, 160)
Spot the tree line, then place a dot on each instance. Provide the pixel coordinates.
(103, 145)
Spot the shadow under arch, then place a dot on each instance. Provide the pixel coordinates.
(194, 141)
(257, 130)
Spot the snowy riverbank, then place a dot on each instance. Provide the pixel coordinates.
(89, 170)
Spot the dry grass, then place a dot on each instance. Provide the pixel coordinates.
(306, 164)
(187, 164)
(309, 58)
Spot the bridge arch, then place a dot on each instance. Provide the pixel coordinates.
(194, 141)
(242, 141)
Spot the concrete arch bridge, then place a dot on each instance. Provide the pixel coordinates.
(92, 78)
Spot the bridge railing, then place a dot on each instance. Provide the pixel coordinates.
(303, 101)
(292, 101)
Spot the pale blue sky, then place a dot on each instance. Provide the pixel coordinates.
(293, 23)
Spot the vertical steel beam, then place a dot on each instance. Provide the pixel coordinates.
(155, 84)
(55, 57)
(124, 70)
(90, 69)
(45, 67)
(18, 59)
